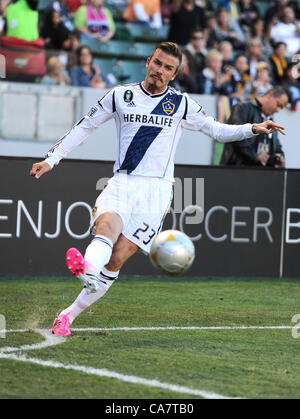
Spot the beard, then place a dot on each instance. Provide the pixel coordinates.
(154, 84)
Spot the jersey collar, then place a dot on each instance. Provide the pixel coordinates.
(155, 95)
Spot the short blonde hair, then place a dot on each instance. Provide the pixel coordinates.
(52, 63)
(262, 65)
(213, 54)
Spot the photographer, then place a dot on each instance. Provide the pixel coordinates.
(263, 149)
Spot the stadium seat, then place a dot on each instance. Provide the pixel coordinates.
(262, 7)
(143, 49)
(108, 66)
(122, 48)
(112, 48)
(125, 71)
(131, 71)
(96, 46)
(117, 10)
(43, 4)
(142, 32)
(122, 32)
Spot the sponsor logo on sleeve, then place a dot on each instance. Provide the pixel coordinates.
(92, 111)
(94, 211)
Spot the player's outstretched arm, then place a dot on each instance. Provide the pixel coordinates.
(39, 169)
(267, 127)
(197, 119)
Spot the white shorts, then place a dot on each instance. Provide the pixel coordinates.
(142, 203)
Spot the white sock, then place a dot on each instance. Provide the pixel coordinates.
(99, 252)
(84, 300)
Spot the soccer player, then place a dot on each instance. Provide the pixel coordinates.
(129, 213)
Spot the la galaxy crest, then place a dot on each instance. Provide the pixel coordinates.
(168, 107)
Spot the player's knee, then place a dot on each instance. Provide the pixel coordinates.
(105, 229)
(109, 225)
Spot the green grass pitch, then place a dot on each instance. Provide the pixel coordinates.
(243, 363)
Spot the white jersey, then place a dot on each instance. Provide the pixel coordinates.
(149, 127)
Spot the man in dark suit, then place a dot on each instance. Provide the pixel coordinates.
(263, 149)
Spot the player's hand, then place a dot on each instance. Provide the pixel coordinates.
(263, 158)
(39, 169)
(282, 162)
(268, 127)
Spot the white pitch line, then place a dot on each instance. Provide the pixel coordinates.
(121, 377)
(15, 330)
(50, 340)
(111, 329)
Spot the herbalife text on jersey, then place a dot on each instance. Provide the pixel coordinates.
(164, 121)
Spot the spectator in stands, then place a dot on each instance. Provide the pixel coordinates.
(211, 79)
(225, 48)
(237, 88)
(61, 7)
(71, 55)
(254, 53)
(257, 31)
(144, 11)
(22, 20)
(275, 11)
(226, 30)
(249, 12)
(287, 30)
(231, 6)
(95, 20)
(86, 73)
(238, 85)
(197, 49)
(3, 5)
(74, 40)
(55, 75)
(166, 11)
(54, 32)
(186, 79)
(264, 149)
(185, 17)
(262, 82)
(68, 57)
(206, 5)
(292, 83)
(278, 62)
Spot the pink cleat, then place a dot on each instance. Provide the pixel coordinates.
(61, 325)
(85, 272)
(75, 261)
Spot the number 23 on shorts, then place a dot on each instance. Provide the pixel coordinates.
(145, 233)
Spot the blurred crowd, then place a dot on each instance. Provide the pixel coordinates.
(230, 48)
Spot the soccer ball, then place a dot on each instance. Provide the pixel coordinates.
(172, 252)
